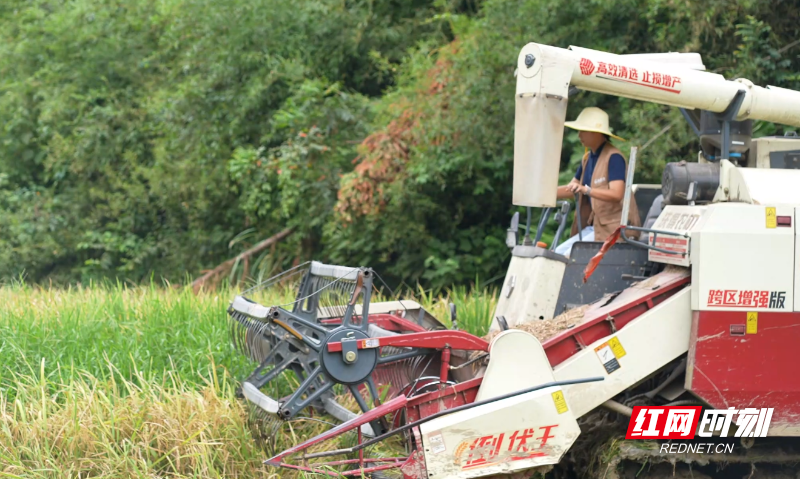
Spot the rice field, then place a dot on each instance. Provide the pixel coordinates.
(115, 382)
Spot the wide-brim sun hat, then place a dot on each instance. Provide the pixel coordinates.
(592, 119)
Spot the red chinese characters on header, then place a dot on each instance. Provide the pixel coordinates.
(629, 74)
(515, 446)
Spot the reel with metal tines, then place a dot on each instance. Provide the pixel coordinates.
(283, 338)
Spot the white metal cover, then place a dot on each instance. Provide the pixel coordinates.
(530, 290)
(334, 271)
(503, 374)
(758, 186)
(760, 148)
(647, 344)
(530, 430)
(742, 259)
(541, 108)
(249, 308)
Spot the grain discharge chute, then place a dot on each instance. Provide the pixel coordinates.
(699, 313)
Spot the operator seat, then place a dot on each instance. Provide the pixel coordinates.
(653, 212)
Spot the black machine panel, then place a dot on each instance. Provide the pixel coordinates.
(678, 176)
(644, 200)
(785, 159)
(622, 259)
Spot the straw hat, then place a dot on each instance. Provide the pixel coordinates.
(592, 119)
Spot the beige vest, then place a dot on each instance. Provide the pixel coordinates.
(605, 216)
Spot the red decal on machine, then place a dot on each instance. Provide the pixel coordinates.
(611, 71)
(663, 422)
(734, 298)
(678, 245)
(484, 450)
(515, 446)
(587, 66)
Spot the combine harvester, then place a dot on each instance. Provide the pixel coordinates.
(698, 313)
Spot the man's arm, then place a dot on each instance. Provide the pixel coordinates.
(615, 191)
(616, 181)
(568, 191)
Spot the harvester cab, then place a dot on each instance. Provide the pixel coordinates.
(699, 312)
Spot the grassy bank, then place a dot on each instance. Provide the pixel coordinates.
(114, 382)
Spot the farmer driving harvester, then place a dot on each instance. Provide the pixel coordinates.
(599, 183)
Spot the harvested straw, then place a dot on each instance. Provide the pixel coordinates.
(546, 329)
(651, 281)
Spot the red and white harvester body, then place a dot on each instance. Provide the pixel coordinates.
(700, 310)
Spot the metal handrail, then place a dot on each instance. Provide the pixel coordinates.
(565, 205)
(542, 223)
(654, 237)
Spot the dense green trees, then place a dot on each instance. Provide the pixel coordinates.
(148, 137)
(120, 119)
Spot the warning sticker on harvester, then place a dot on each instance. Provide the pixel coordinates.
(772, 217)
(609, 353)
(616, 346)
(371, 343)
(437, 444)
(752, 323)
(561, 403)
(607, 357)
